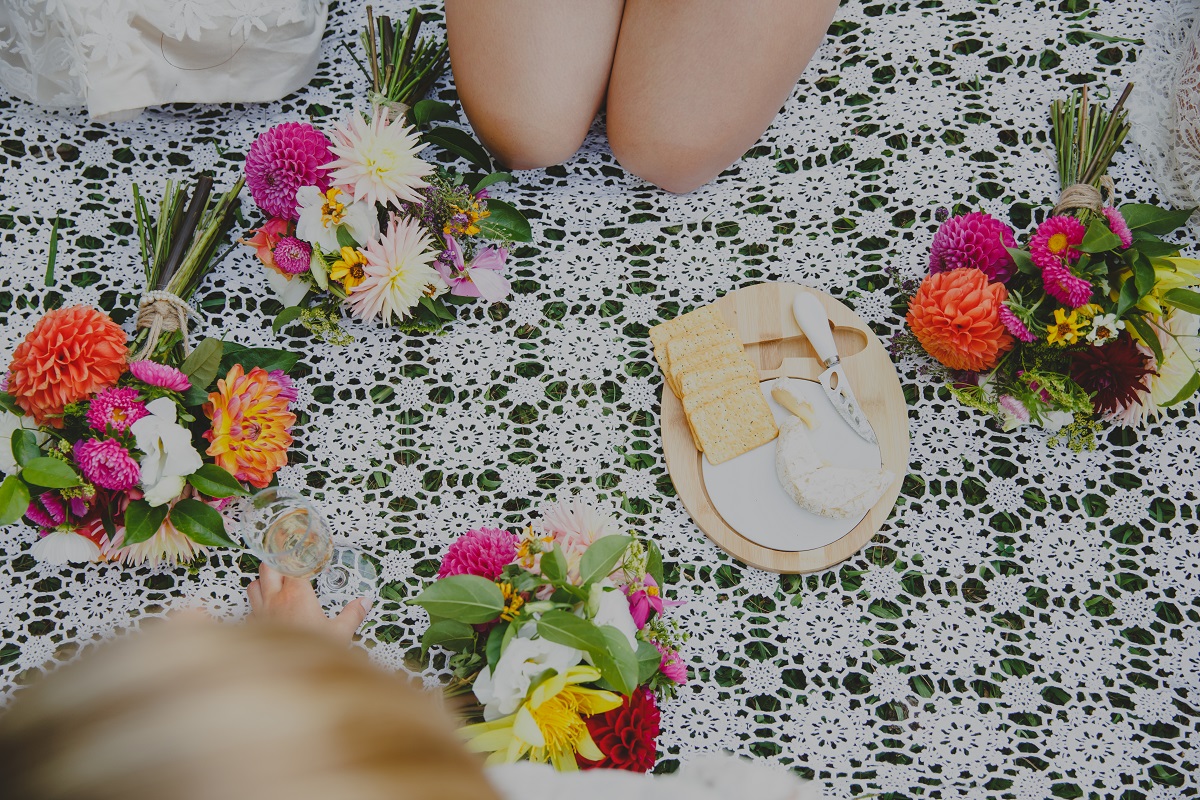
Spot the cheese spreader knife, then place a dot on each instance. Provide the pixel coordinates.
(813, 320)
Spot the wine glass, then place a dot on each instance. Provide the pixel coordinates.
(288, 534)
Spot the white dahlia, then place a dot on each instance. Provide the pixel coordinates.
(397, 273)
(378, 161)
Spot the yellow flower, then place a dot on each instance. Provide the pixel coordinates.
(1169, 273)
(549, 725)
(465, 221)
(349, 268)
(1066, 328)
(513, 600)
(332, 210)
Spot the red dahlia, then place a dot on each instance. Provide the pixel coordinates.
(628, 735)
(1116, 373)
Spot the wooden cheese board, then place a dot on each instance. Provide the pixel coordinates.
(761, 315)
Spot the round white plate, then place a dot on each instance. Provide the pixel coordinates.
(747, 494)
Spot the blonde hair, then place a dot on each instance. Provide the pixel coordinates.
(198, 710)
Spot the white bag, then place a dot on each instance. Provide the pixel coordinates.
(118, 56)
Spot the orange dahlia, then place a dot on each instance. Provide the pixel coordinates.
(251, 424)
(956, 317)
(70, 354)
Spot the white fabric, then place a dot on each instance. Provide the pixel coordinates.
(949, 659)
(707, 777)
(1165, 105)
(118, 56)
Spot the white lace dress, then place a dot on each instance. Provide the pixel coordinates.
(1165, 104)
(119, 56)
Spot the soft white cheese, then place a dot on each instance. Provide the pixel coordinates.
(817, 487)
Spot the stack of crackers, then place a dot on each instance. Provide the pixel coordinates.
(707, 369)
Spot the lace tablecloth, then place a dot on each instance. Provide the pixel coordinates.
(1025, 625)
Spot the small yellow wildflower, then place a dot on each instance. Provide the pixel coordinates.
(513, 600)
(1066, 329)
(333, 210)
(349, 268)
(465, 221)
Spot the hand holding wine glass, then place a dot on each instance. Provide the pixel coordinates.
(293, 601)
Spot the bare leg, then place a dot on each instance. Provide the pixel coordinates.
(532, 74)
(694, 84)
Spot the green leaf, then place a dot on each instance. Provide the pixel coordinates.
(602, 558)
(654, 563)
(1128, 298)
(460, 143)
(648, 659)
(426, 111)
(1023, 261)
(215, 481)
(201, 523)
(284, 317)
(319, 269)
(1187, 391)
(617, 662)
(449, 634)
(345, 238)
(466, 598)
(269, 358)
(202, 364)
(51, 473)
(1151, 246)
(554, 564)
(1143, 276)
(24, 446)
(488, 180)
(437, 308)
(1146, 331)
(505, 222)
(9, 404)
(143, 520)
(1186, 299)
(14, 499)
(563, 627)
(1152, 219)
(1099, 239)
(495, 644)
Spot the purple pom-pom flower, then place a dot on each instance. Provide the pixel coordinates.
(973, 240)
(481, 551)
(281, 161)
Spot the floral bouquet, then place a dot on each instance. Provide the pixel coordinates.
(560, 638)
(357, 218)
(1092, 319)
(127, 451)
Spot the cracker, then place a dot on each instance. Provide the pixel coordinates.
(735, 424)
(692, 352)
(734, 369)
(705, 315)
(729, 393)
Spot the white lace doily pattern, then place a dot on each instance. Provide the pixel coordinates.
(1026, 625)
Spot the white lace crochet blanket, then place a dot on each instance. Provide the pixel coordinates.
(1025, 625)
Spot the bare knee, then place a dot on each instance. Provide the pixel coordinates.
(672, 160)
(521, 140)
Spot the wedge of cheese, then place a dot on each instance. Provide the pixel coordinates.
(817, 487)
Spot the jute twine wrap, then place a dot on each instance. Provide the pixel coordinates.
(162, 312)
(1084, 195)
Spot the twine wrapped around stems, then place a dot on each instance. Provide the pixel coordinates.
(1084, 195)
(162, 312)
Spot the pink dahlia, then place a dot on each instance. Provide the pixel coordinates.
(1119, 226)
(282, 160)
(1064, 287)
(160, 375)
(480, 551)
(973, 240)
(1014, 325)
(115, 408)
(106, 462)
(292, 256)
(672, 666)
(1056, 240)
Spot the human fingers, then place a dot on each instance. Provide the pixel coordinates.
(272, 581)
(254, 592)
(347, 622)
